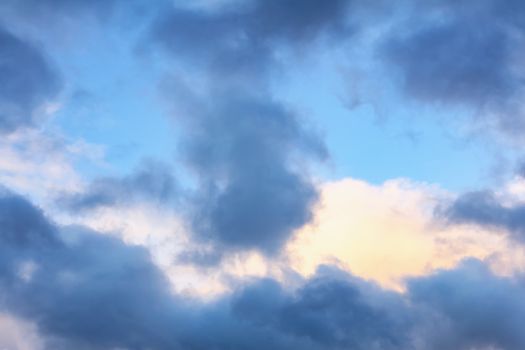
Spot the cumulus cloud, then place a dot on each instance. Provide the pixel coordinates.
(92, 291)
(105, 294)
(242, 40)
(28, 82)
(349, 317)
(479, 310)
(243, 149)
(85, 287)
(462, 54)
(389, 232)
(316, 316)
(247, 148)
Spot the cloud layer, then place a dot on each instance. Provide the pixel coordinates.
(88, 290)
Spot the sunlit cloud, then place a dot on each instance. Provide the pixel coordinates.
(388, 232)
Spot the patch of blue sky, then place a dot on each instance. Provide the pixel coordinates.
(112, 100)
(394, 138)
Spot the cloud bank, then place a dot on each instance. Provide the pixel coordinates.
(106, 294)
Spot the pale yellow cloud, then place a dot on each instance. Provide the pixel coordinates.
(388, 232)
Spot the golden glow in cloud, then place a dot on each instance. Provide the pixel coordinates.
(380, 232)
(388, 232)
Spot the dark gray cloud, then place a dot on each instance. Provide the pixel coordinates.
(330, 309)
(463, 53)
(91, 291)
(245, 146)
(455, 62)
(152, 181)
(477, 310)
(464, 308)
(327, 312)
(28, 81)
(85, 287)
(244, 151)
(242, 40)
(483, 208)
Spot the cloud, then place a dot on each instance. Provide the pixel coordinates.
(41, 164)
(86, 290)
(388, 232)
(151, 181)
(329, 309)
(28, 82)
(247, 149)
(480, 310)
(19, 335)
(462, 54)
(93, 291)
(242, 40)
(85, 287)
(485, 209)
(247, 153)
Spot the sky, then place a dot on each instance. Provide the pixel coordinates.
(262, 174)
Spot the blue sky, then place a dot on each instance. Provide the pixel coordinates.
(262, 174)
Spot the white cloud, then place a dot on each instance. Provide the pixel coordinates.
(388, 232)
(38, 164)
(16, 334)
